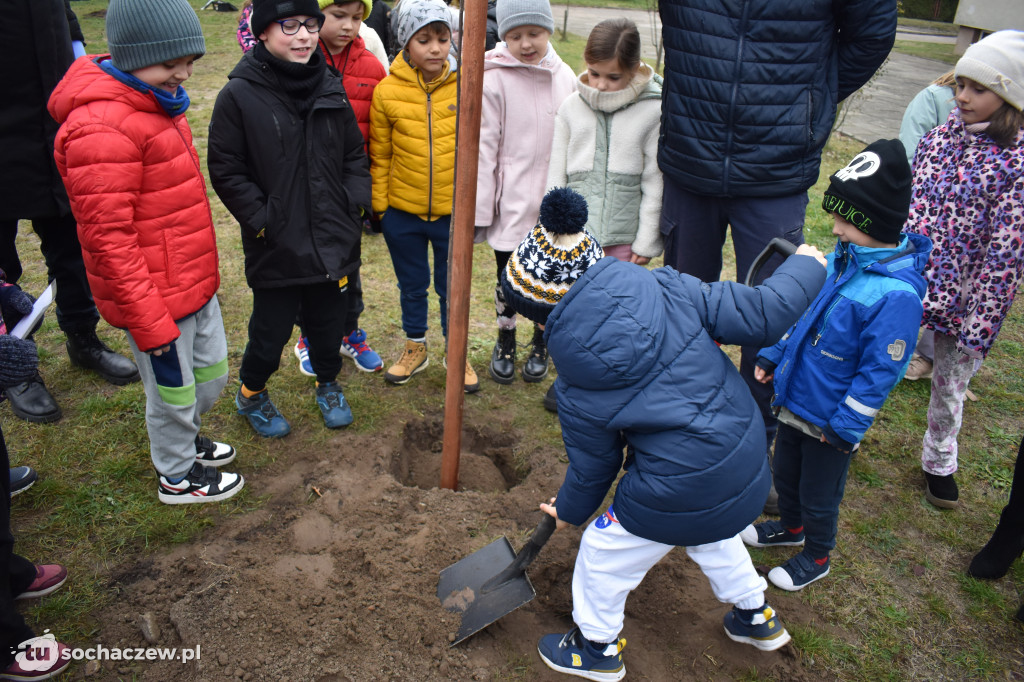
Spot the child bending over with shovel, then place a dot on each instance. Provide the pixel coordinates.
(639, 372)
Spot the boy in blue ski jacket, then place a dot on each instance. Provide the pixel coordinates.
(836, 366)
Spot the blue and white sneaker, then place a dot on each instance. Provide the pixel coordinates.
(799, 572)
(302, 353)
(770, 534)
(262, 414)
(760, 628)
(333, 405)
(573, 654)
(22, 479)
(354, 346)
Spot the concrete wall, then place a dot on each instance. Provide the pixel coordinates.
(977, 18)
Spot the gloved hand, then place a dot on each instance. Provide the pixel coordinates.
(14, 304)
(18, 360)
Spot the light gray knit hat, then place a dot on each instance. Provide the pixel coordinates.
(514, 13)
(997, 62)
(415, 14)
(145, 32)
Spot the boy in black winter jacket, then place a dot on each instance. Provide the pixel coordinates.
(286, 157)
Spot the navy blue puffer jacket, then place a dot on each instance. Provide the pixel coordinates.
(751, 87)
(638, 367)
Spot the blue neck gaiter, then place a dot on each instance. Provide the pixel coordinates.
(174, 105)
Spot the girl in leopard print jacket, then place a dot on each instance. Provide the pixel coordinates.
(968, 197)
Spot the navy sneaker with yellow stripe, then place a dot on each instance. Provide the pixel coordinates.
(758, 627)
(574, 654)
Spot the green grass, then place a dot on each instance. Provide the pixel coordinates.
(941, 52)
(897, 604)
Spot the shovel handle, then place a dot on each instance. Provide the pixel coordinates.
(777, 245)
(526, 555)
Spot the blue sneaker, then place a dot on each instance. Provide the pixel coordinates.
(333, 405)
(573, 654)
(302, 353)
(770, 534)
(354, 346)
(22, 479)
(799, 572)
(262, 414)
(760, 628)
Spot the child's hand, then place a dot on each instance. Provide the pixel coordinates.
(639, 260)
(549, 508)
(762, 376)
(157, 352)
(813, 252)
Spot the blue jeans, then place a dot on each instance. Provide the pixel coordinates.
(810, 477)
(408, 237)
(694, 228)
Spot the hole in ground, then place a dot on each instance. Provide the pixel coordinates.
(487, 462)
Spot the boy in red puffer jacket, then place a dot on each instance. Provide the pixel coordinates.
(125, 153)
(360, 71)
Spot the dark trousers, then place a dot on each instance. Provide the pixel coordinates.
(16, 573)
(408, 237)
(270, 327)
(810, 477)
(695, 227)
(1013, 513)
(58, 240)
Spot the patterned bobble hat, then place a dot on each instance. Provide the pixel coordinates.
(415, 14)
(551, 258)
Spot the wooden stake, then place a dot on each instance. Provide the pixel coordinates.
(460, 249)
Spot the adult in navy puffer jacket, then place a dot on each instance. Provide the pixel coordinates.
(750, 95)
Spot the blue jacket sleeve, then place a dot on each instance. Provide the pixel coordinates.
(888, 341)
(595, 458)
(758, 316)
(867, 32)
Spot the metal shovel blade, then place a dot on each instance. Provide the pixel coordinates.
(491, 582)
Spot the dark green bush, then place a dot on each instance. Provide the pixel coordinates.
(937, 10)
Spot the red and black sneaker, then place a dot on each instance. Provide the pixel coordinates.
(202, 484)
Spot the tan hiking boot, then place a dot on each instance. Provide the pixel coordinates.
(919, 368)
(471, 384)
(414, 359)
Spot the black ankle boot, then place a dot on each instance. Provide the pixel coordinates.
(536, 366)
(503, 360)
(941, 491)
(32, 402)
(994, 559)
(87, 351)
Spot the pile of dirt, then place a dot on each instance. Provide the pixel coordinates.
(335, 578)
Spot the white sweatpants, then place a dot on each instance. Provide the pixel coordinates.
(612, 562)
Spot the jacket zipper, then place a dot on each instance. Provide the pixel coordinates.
(824, 320)
(430, 158)
(727, 161)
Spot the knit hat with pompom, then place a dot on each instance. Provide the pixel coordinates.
(551, 258)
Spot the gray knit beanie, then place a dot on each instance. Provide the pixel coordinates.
(514, 13)
(997, 62)
(141, 33)
(415, 14)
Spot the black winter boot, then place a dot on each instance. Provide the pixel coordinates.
(941, 491)
(32, 402)
(503, 360)
(994, 559)
(87, 351)
(536, 366)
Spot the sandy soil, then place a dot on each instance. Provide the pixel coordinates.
(335, 578)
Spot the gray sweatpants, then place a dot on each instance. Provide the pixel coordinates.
(181, 385)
